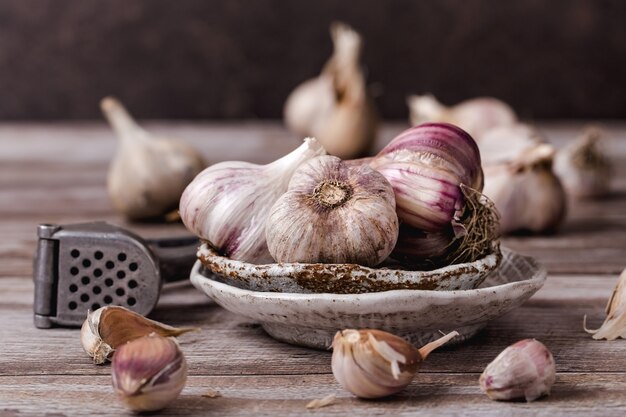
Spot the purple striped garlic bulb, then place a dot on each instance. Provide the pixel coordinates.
(228, 203)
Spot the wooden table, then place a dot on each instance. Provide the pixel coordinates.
(55, 173)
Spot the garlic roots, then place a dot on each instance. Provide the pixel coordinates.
(527, 194)
(335, 107)
(476, 116)
(374, 364)
(148, 174)
(228, 203)
(332, 213)
(584, 169)
(148, 373)
(614, 325)
(525, 369)
(109, 327)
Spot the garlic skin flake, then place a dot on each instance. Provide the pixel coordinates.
(147, 174)
(374, 364)
(228, 203)
(109, 327)
(476, 116)
(335, 107)
(583, 167)
(614, 325)
(525, 369)
(527, 194)
(332, 213)
(148, 373)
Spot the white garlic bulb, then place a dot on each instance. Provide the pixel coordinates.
(148, 373)
(228, 203)
(332, 213)
(374, 364)
(476, 116)
(585, 170)
(525, 369)
(614, 325)
(335, 107)
(527, 194)
(148, 174)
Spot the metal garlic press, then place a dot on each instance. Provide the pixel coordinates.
(85, 266)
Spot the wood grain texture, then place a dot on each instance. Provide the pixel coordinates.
(55, 173)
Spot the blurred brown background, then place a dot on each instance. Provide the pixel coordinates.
(240, 59)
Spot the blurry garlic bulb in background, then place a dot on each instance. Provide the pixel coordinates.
(148, 174)
(527, 194)
(505, 143)
(333, 213)
(335, 107)
(583, 167)
(228, 203)
(476, 116)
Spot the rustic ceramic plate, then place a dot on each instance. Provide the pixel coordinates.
(345, 278)
(418, 315)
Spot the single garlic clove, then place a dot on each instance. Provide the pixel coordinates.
(525, 369)
(374, 364)
(147, 174)
(614, 325)
(476, 116)
(148, 373)
(583, 167)
(335, 107)
(332, 213)
(109, 327)
(228, 203)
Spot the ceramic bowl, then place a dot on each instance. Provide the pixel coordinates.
(345, 278)
(418, 315)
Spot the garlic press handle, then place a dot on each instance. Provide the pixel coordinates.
(176, 256)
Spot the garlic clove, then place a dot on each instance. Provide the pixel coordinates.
(147, 174)
(109, 327)
(332, 213)
(335, 107)
(148, 373)
(614, 325)
(476, 116)
(525, 369)
(228, 203)
(583, 167)
(373, 364)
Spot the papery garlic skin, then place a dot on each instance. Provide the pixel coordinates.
(148, 373)
(476, 116)
(374, 364)
(527, 194)
(525, 369)
(335, 107)
(584, 169)
(228, 203)
(332, 213)
(506, 143)
(111, 326)
(614, 325)
(147, 174)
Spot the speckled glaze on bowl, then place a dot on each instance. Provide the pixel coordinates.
(418, 315)
(345, 278)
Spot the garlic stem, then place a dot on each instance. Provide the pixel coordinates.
(121, 121)
(428, 348)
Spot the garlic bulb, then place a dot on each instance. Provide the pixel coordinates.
(476, 116)
(527, 194)
(525, 369)
(335, 107)
(228, 203)
(147, 175)
(148, 373)
(426, 165)
(614, 325)
(332, 213)
(109, 327)
(583, 168)
(373, 364)
(505, 143)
